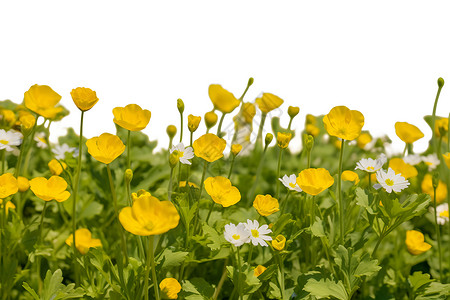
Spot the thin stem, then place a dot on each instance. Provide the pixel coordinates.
(290, 123)
(129, 150)
(239, 274)
(404, 150)
(221, 281)
(281, 264)
(219, 128)
(280, 151)
(438, 234)
(210, 211)
(169, 192)
(260, 131)
(200, 196)
(231, 166)
(341, 205)
(191, 139)
(181, 127)
(3, 160)
(433, 117)
(308, 157)
(19, 159)
(41, 224)
(152, 262)
(258, 175)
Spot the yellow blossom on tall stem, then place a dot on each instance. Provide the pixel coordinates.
(53, 188)
(23, 184)
(27, 122)
(8, 185)
(209, 147)
(84, 240)
(56, 167)
(248, 112)
(415, 242)
(222, 99)
(221, 191)
(105, 148)
(314, 181)
(350, 176)
(193, 122)
(427, 188)
(210, 120)
(131, 117)
(399, 166)
(84, 98)
(268, 102)
(408, 133)
(170, 287)
(42, 99)
(441, 127)
(266, 205)
(283, 139)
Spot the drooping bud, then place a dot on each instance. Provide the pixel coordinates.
(180, 105)
(440, 82)
(193, 122)
(293, 111)
(235, 149)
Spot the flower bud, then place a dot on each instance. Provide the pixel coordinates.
(435, 180)
(440, 82)
(293, 111)
(235, 149)
(173, 159)
(250, 81)
(23, 184)
(309, 142)
(193, 122)
(56, 167)
(27, 121)
(8, 117)
(279, 242)
(210, 119)
(171, 131)
(283, 139)
(268, 139)
(180, 106)
(128, 176)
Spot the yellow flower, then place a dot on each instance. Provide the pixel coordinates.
(84, 98)
(53, 188)
(447, 159)
(266, 205)
(42, 100)
(312, 130)
(209, 147)
(279, 242)
(363, 140)
(210, 119)
(344, 123)
(235, 149)
(191, 184)
(249, 112)
(293, 111)
(171, 131)
(140, 193)
(415, 242)
(441, 127)
(170, 288)
(8, 185)
(268, 102)
(55, 167)
(23, 184)
(221, 191)
(105, 148)
(408, 132)
(259, 270)
(27, 122)
(310, 119)
(8, 117)
(399, 166)
(131, 117)
(350, 176)
(427, 188)
(314, 181)
(283, 139)
(83, 240)
(222, 99)
(9, 205)
(149, 216)
(193, 122)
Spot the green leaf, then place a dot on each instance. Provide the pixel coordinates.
(30, 290)
(213, 236)
(363, 200)
(326, 288)
(418, 280)
(170, 259)
(317, 228)
(197, 288)
(366, 267)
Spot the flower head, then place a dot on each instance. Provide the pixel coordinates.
(266, 205)
(290, 182)
(56, 167)
(23, 184)
(40, 140)
(408, 132)
(84, 98)
(283, 139)
(268, 102)
(209, 147)
(413, 159)
(427, 188)
(9, 139)
(221, 191)
(399, 166)
(350, 176)
(193, 122)
(363, 140)
(371, 165)
(183, 154)
(312, 129)
(131, 117)
(259, 270)
(248, 112)
(235, 149)
(441, 127)
(105, 148)
(47, 190)
(415, 242)
(442, 213)
(27, 122)
(149, 216)
(344, 123)
(314, 181)
(279, 242)
(432, 161)
(83, 240)
(258, 235)
(210, 119)
(237, 235)
(7, 117)
(61, 150)
(222, 99)
(43, 100)
(170, 287)
(391, 181)
(8, 185)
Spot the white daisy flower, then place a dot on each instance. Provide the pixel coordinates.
(40, 139)
(413, 159)
(371, 165)
(9, 139)
(431, 160)
(237, 235)
(290, 182)
(442, 213)
(391, 181)
(258, 234)
(60, 151)
(183, 153)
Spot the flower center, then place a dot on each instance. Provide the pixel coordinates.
(370, 168)
(149, 225)
(444, 214)
(4, 142)
(43, 140)
(428, 163)
(236, 236)
(292, 185)
(389, 182)
(255, 233)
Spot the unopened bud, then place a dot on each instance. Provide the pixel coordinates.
(173, 159)
(235, 149)
(440, 82)
(210, 119)
(171, 131)
(309, 142)
(128, 176)
(435, 180)
(293, 111)
(193, 122)
(268, 139)
(180, 106)
(283, 139)
(250, 81)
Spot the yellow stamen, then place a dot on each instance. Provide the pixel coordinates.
(389, 182)
(236, 236)
(370, 168)
(444, 214)
(4, 142)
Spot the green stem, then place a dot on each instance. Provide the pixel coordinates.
(169, 192)
(152, 262)
(281, 264)
(231, 167)
(251, 194)
(199, 197)
(258, 142)
(210, 211)
(341, 205)
(3, 160)
(129, 150)
(239, 274)
(181, 127)
(280, 151)
(438, 234)
(19, 159)
(284, 203)
(308, 157)
(221, 281)
(41, 224)
(404, 150)
(191, 139)
(433, 117)
(290, 123)
(219, 128)
(38, 258)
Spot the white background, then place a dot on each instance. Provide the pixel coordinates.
(380, 57)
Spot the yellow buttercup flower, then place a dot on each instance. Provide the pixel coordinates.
(170, 288)
(55, 167)
(83, 240)
(8, 185)
(47, 190)
(27, 122)
(259, 270)
(283, 139)
(131, 117)
(441, 127)
(399, 166)
(140, 193)
(105, 148)
(43, 100)
(427, 188)
(9, 205)
(350, 176)
(408, 133)
(344, 123)
(23, 184)
(312, 130)
(222, 99)
(221, 191)
(415, 242)
(314, 181)
(363, 140)
(268, 102)
(210, 119)
(84, 98)
(209, 147)
(249, 112)
(193, 122)
(8, 117)
(293, 111)
(149, 216)
(191, 184)
(279, 242)
(266, 205)
(235, 149)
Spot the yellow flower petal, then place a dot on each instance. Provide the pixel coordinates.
(314, 181)
(408, 133)
(131, 117)
(344, 123)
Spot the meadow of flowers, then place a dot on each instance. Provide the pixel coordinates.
(220, 215)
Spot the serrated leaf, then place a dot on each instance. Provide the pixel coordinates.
(418, 279)
(363, 200)
(367, 267)
(325, 288)
(317, 228)
(213, 236)
(170, 259)
(198, 287)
